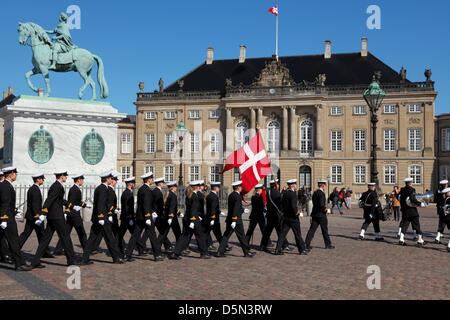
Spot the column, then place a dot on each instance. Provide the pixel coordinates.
(285, 127)
(229, 132)
(252, 122)
(260, 117)
(293, 130)
(318, 127)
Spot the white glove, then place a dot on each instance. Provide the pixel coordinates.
(246, 211)
(148, 222)
(88, 206)
(77, 208)
(181, 215)
(154, 215)
(169, 221)
(192, 225)
(131, 222)
(19, 211)
(101, 222)
(301, 214)
(370, 216)
(117, 211)
(200, 218)
(40, 220)
(4, 225)
(328, 211)
(65, 216)
(233, 225)
(422, 205)
(211, 223)
(110, 219)
(222, 214)
(18, 216)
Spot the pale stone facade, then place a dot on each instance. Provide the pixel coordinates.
(443, 146)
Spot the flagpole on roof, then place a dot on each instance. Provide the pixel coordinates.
(276, 38)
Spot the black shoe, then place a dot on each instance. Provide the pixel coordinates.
(7, 260)
(309, 248)
(437, 241)
(185, 253)
(74, 263)
(304, 253)
(249, 254)
(212, 248)
(379, 239)
(24, 267)
(287, 248)
(278, 253)
(87, 262)
(58, 253)
(48, 255)
(330, 247)
(170, 249)
(448, 249)
(94, 252)
(421, 244)
(205, 256)
(159, 258)
(38, 266)
(144, 252)
(262, 248)
(402, 243)
(270, 244)
(361, 238)
(119, 261)
(220, 255)
(228, 248)
(129, 259)
(174, 257)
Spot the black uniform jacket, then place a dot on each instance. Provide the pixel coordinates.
(34, 203)
(290, 206)
(257, 208)
(319, 200)
(158, 201)
(144, 203)
(212, 207)
(7, 202)
(410, 192)
(235, 209)
(74, 199)
(100, 208)
(171, 206)
(273, 202)
(127, 205)
(53, 205)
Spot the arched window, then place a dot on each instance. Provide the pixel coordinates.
(273, 130)
(306, 138)
(241, 134)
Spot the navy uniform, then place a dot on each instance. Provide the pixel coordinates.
(8, 225)
(212, 217)
(257, 215)
(171, 213)
(202, 216)
(410, 214)
(73, 212)
(439, 198)
(371, 206)
(54, 211)
(319, 217)
(161, 221)
(291, 220)
(234, 223)
(5, 254)
(446, 208)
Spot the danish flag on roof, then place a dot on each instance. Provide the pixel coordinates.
(274, 10)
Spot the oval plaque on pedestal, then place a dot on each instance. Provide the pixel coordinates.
(93, 148)
(41, 146)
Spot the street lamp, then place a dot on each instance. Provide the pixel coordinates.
(180, 131)
(328, 184)
(374, 96)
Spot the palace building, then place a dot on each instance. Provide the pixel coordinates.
(310, 110)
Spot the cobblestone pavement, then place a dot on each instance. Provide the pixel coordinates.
(406, 272)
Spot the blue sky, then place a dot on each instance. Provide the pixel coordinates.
(146, 40)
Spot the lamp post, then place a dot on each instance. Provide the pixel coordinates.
(374, 96)
(180, 131)
(328, 184)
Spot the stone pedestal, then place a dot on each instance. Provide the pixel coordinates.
(51, 134)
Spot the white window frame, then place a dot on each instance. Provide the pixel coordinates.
(444, 172)
(336, 111)
(170, 115)
(169, 143)
(273, 137)
(359, 140)
(336, 140)
(125, 139)
(445, 139)
(194, 173)
(169, 173)
(194, 114)
(306, 138)
(242, 134)
(415, 108)
(390, 109)
(150, 115)
(195, 142)
(389, 140)
(415, 140)
(359, 110)
(416, 172)
(149, 168)
(214, 142)
(214, 114)
(336, 176)
(360, 174)
(390, 174)
(126, 172)
(214, 175)
(150, 142)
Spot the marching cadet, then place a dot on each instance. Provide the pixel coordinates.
(56, 221)
(274, 217)
(161, 221)
(257, 214)
(446, 208)
(73, 213)
(34, 208)
(234, 223)
(171, 213)
(127, 216)
(8, 225)
(410, 214)
(439, 198)
(112, 203)
(145, 219)
(102, 223)
(5, 255)
(291, 220)
(212, 219)
(192, 215)
(202, 215)
(319, 216)
(371, 205)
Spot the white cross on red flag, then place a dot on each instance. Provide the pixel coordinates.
(252, 161)
(274, 10)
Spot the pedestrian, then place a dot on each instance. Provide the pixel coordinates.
(335, 200)
(395, 203)
(348, 198)
(371, 209)
(302, 199)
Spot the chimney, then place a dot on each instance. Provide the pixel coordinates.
(242, 54)
(10, 91)
(327, 49)
(210, 56)
(364, 47)
(5, 95)
(40, 92)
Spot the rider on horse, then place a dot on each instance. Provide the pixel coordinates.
(63, 39)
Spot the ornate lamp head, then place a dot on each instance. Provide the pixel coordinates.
(374, 96)
(181, 130)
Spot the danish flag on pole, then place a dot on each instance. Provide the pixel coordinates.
(252, 161)
(274, 10)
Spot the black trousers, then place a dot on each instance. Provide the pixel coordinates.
(163, 228)
(415, 223)
(175, 226)
(114, 230)
(396, 213)
(315, 223)
(74, 221)
(99, 231)
(442, 221)
(215, 229)
(4, 248)
(60, 226)
(272, 224)
(123, 228)
(368, 220)
(295, 226)
(136, 239)
(185, 237)
(402, 221)
(252, 226)
(12, 236)
(239, 229)
(30, 226)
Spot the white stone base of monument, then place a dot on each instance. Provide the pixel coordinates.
(51, 134)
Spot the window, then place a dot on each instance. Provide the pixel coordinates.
(214, 114)
(444, 172)
(194, 114)
(415, 139)
(360, 174)
(126, 172)
(358, 195)
(169, 115)
(445, 137)
(273, 129)
(148, 169)
(336, 140)
(359, 110)
(195, 142)
(359, 137)
(389, 139)
(389, 108)
(390, 174)
(336, 174)
(169, 173)
(150, 115)
(241, 134)
(170, 142)
(214, 175)
(306, 137)
(336, 111)
(415, 108)
(126, 143)
(149, 143)
(237, 174)
(214, 142)
(415, 172)
(194, 173)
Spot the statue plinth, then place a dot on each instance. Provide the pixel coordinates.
(47, 134)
